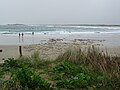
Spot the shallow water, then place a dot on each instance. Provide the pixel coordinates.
(42, 33)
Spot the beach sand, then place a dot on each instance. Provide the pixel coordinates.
(53, 47)
(50, 46)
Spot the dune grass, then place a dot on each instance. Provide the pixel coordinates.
(87, 69)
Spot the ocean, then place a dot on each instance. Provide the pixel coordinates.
(57, 29)
(9, 34)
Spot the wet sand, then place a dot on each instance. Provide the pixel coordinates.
(110, 39)
(51, 49)
(50, 46)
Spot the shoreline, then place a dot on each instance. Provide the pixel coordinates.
(108, 40)
(53, 48)
(50, 46)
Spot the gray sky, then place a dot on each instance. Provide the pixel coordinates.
(60, 11)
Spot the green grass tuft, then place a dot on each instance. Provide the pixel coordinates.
(87, 69)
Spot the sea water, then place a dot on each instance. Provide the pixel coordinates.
(9, 34)
(57, 29)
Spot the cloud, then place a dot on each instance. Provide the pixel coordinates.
(59, 11)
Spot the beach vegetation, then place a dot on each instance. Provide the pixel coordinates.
(84, 69)
(22, 77)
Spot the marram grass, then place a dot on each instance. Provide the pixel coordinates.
(87, 69)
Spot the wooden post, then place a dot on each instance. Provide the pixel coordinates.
(20, 50)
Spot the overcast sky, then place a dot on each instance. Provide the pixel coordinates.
(60, 11)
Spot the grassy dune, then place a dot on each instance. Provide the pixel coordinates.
(76, 69)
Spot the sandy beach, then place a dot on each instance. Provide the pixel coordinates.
(51, 47)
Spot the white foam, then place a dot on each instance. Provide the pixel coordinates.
(95, 27)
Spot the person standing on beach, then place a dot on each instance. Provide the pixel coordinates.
(22, 34)
(22, 37)
(19, 34)
(33, 37)
(32, 33)
(19, 37)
